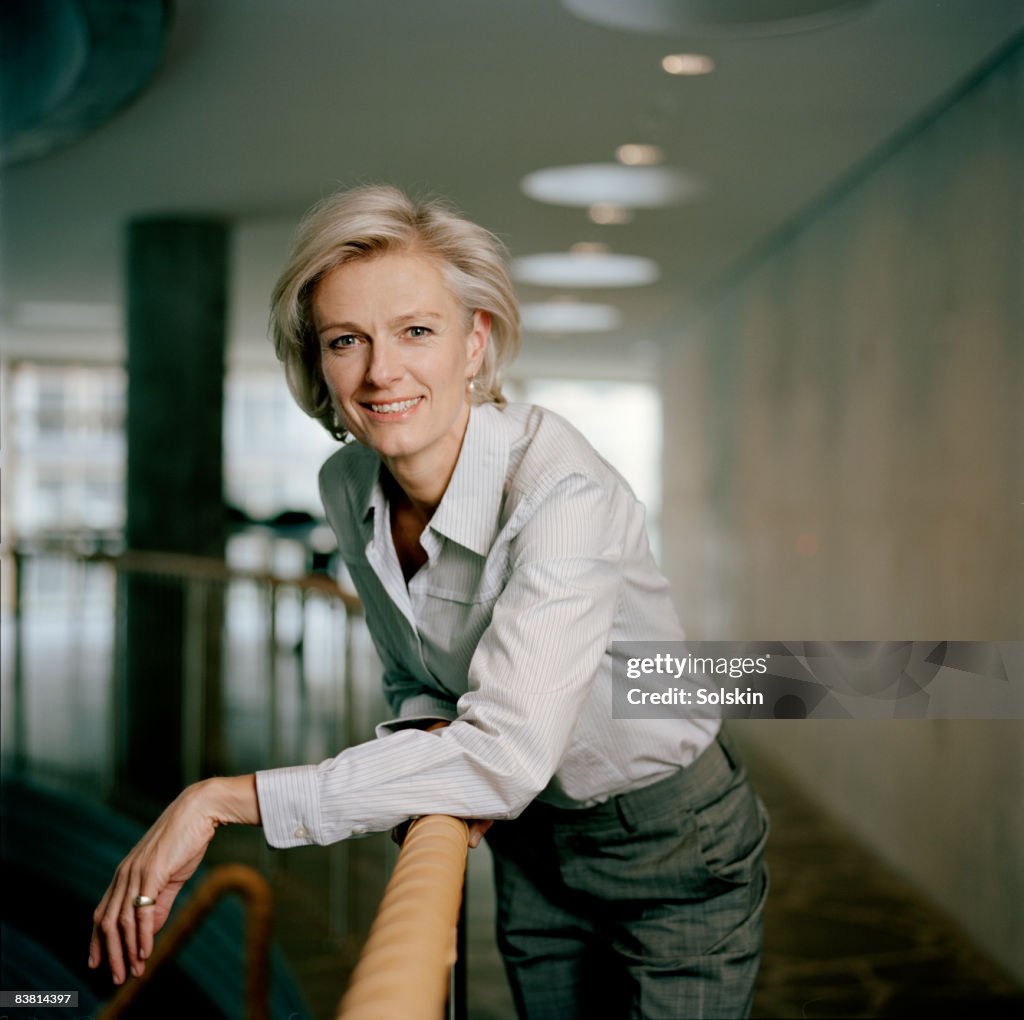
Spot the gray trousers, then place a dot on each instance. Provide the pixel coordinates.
(645, 907)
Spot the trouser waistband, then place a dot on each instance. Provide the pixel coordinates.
(716, 769)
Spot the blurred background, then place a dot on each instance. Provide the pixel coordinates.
(771, 261)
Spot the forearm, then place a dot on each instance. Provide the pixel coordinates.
(228, 800)
(469, 770)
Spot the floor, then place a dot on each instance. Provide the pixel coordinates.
(846, 937)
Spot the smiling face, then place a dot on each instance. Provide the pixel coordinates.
(397, 351)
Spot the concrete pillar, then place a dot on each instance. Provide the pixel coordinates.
(176, 277)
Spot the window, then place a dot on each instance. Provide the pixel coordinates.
(66, 450)
(622, 421)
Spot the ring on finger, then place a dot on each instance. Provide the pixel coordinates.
(144, 901)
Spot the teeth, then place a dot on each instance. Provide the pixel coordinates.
(401, 405)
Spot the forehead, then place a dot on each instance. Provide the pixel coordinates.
(387, 284)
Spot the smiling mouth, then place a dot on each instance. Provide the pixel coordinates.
(395, 407)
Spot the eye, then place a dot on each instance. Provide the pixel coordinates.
(419, 332)
(340, 343)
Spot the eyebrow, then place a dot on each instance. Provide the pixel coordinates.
(399, 320)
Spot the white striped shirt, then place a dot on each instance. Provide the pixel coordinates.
(537, 560)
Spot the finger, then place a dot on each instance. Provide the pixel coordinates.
(145, 918)
(95, 942)
(127, 923)
(129, 918)
(477, 831)
(135, 915)
(111, 939)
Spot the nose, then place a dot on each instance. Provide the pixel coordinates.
(385, 365)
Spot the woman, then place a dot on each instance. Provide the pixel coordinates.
(498, 559)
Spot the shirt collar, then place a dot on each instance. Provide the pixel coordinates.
(363, 484)
(470, 508)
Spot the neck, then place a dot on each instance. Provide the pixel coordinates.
(425, 479)
(422, 496)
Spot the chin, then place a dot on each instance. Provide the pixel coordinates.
(390, 446)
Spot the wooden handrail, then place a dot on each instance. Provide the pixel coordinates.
(402, 973)
(256, 894)
(209, 568)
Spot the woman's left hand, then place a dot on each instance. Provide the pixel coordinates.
(159, 865)
(477, 830)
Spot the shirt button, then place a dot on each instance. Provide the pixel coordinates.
(302, 832)
(358, 830)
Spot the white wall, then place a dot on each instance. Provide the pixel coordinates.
(845, 460)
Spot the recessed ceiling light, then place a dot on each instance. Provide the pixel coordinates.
(570, 317)
(633, 154)
(637, 187)
(689, 64)
(568, 269)
(608, 213)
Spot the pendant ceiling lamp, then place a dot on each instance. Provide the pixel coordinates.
(570, 317)
(713, 16)
(635, 187)
(582, 269)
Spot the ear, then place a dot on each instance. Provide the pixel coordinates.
(476, 342)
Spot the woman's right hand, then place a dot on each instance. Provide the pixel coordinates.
(158, 866)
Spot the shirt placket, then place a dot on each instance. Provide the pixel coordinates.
(419, 584)
(383, 558)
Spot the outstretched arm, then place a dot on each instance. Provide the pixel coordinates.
(159, 865)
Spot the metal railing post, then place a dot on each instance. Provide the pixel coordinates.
(19, 727)
(273, 723)
(194, 662)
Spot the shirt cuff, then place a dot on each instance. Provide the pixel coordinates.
(417, 710)
(289, 806)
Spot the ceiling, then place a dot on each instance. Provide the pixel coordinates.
(260, 107)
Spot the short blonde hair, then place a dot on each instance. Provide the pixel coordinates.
(369, 221)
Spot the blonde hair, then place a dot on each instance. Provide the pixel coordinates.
(369, 221)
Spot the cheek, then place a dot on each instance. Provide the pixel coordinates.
(332, 390)
(338, 377)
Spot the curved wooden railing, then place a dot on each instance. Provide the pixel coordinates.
(256, 894)
(403, 971)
